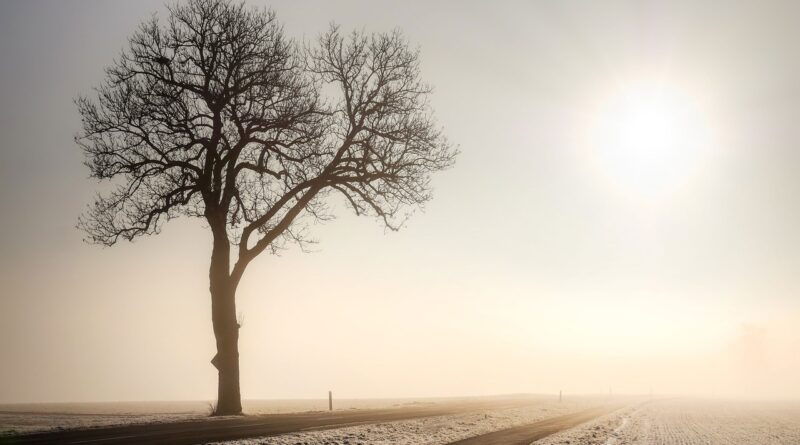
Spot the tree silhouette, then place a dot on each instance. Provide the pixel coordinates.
(215, 114)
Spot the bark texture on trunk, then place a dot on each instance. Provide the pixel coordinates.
(226, 329)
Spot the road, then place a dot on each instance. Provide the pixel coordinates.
(525, 434)
(232, 428)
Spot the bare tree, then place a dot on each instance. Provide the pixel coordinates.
(215, 114)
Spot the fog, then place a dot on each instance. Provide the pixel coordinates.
(540, 265)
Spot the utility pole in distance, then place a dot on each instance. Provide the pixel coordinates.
(330, 400)
(559, 395)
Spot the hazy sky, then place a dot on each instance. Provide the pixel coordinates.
(546, 261)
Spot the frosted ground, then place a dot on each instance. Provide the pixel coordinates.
(31, 417)
(689, 422)
(430, 430)
(660, 422)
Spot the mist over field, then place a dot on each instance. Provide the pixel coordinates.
(554, 255)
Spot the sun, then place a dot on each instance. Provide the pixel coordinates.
(649, 138)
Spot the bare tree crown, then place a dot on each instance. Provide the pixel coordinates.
(216, 114)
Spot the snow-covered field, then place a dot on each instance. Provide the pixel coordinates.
(658, 422)
(27, 418)
(429, 430)
(690, 422)
(30, 417)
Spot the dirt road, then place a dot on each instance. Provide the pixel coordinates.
(525, 434)
(211, 430)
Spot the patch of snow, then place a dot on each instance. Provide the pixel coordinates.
(689, 422)
(604, 430)
(21, 422)
(424, 431)
(36, 417)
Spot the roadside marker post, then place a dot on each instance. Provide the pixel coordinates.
(330, 400)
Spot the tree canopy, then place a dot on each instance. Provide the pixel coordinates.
(217, 114)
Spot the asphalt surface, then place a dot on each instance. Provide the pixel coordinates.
(232, 428)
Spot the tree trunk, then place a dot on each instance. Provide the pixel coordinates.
(226, 329)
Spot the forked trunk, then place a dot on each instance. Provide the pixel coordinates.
(226, 330)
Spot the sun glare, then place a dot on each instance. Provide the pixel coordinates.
(649, 138)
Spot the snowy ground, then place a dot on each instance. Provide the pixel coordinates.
(30, 417)
(26, 423)
(429, 430)
(689, 422)
(659, 422)
(27, 418)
